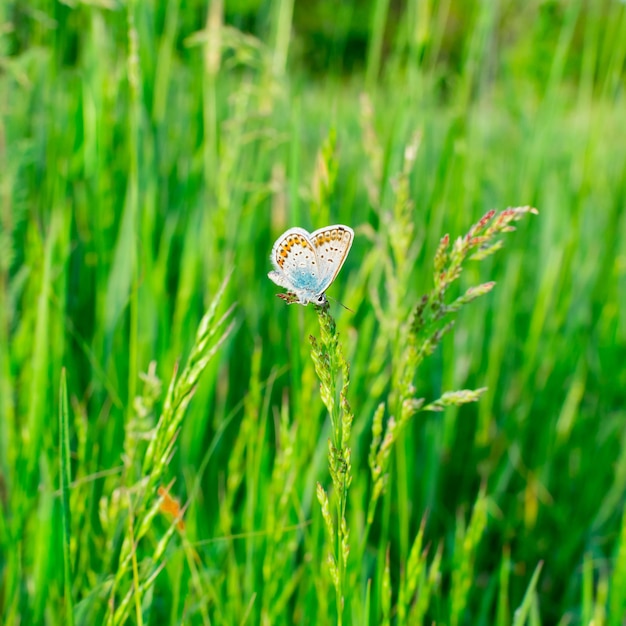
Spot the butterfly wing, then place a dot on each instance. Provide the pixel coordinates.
(295, 262)
(331, 244)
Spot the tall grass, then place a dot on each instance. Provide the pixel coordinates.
(164, 439)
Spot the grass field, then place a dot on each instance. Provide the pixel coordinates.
(179, 446)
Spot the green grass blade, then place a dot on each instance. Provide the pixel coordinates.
(524, 610)
(66, 479)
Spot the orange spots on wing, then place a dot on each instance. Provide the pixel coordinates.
(170, 506)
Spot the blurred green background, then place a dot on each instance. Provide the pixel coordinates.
(150, 149)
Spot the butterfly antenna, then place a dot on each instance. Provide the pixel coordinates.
(340, 304)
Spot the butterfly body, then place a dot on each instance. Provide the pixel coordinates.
(306, 264)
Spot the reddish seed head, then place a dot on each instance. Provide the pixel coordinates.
(486, 218)
(477, 241)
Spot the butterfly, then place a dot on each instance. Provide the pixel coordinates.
(306, 264)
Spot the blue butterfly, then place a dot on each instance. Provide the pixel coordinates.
(307, 264)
